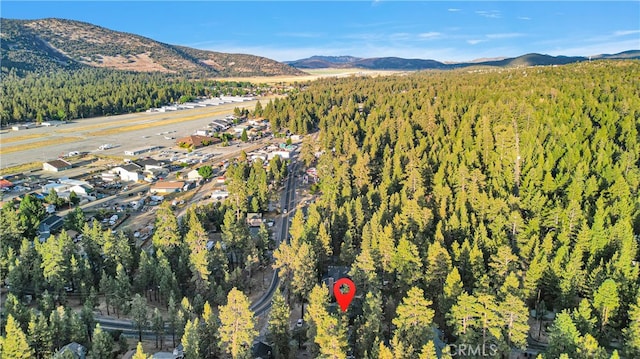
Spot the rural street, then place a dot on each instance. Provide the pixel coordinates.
(287, 201)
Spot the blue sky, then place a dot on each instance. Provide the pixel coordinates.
(290, 30)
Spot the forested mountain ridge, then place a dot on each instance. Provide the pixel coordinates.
(90, 92)
(397, 63)
(456, 200)
(53, 44)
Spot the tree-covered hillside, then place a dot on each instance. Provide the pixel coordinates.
(457, 202)
(481, 196)
(100, 92)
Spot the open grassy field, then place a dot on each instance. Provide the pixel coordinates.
(25, 167)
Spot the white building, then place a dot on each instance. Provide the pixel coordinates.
(129, 173)
(283, 154)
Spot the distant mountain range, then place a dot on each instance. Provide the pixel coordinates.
(58, 44)
(397, 63)
(47, 45)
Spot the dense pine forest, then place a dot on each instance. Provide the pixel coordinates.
(88, 92)
(462, 201)
(476, 208)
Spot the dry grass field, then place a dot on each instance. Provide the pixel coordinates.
(313, 74)
(39, 144)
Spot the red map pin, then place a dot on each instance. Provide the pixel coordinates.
(344, 299)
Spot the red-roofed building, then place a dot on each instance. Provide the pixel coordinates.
(5, 183)
(197, 141)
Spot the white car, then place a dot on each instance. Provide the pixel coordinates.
(299, 323)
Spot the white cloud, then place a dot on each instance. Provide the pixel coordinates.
(626, 32)
(507, 35)
(430, 35)
(475, 41)
(453, 10)
(526, 18)
(491, 14)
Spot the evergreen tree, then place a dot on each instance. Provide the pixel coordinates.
(40, 336)
(632, 332)
(166, 232)
(563, 336)
(369, 324)
(14, 344)
(330, 332)
(191, 339)
(237, 328)
(414, 320)
(210, 337)
(139, 314)
(102, 345)
(278, 329)
(139, 352)
(606, 301)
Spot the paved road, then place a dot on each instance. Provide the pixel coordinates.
(287, 201)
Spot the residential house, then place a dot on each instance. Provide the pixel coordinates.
(194, 175)
(48, 226)
(79, 187)
(153, 168)
(56, 166)
(77, 350)
(65, 186)
(196, 141)
(5, 183)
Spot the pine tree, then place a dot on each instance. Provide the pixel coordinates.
(139, 352)
(15, 344)
(102, 343)
(514, 315)
(369, 324)
(237, 328)
(166, 227)
(210, 334)
(139, 314)
(632, 332)
(40, 336)
(191, 339)
(606, 301)
(414, 319)
(428, 351)
(279, 332)
(563, 336)
(330, 332)
(196, 238)
(453, 287)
